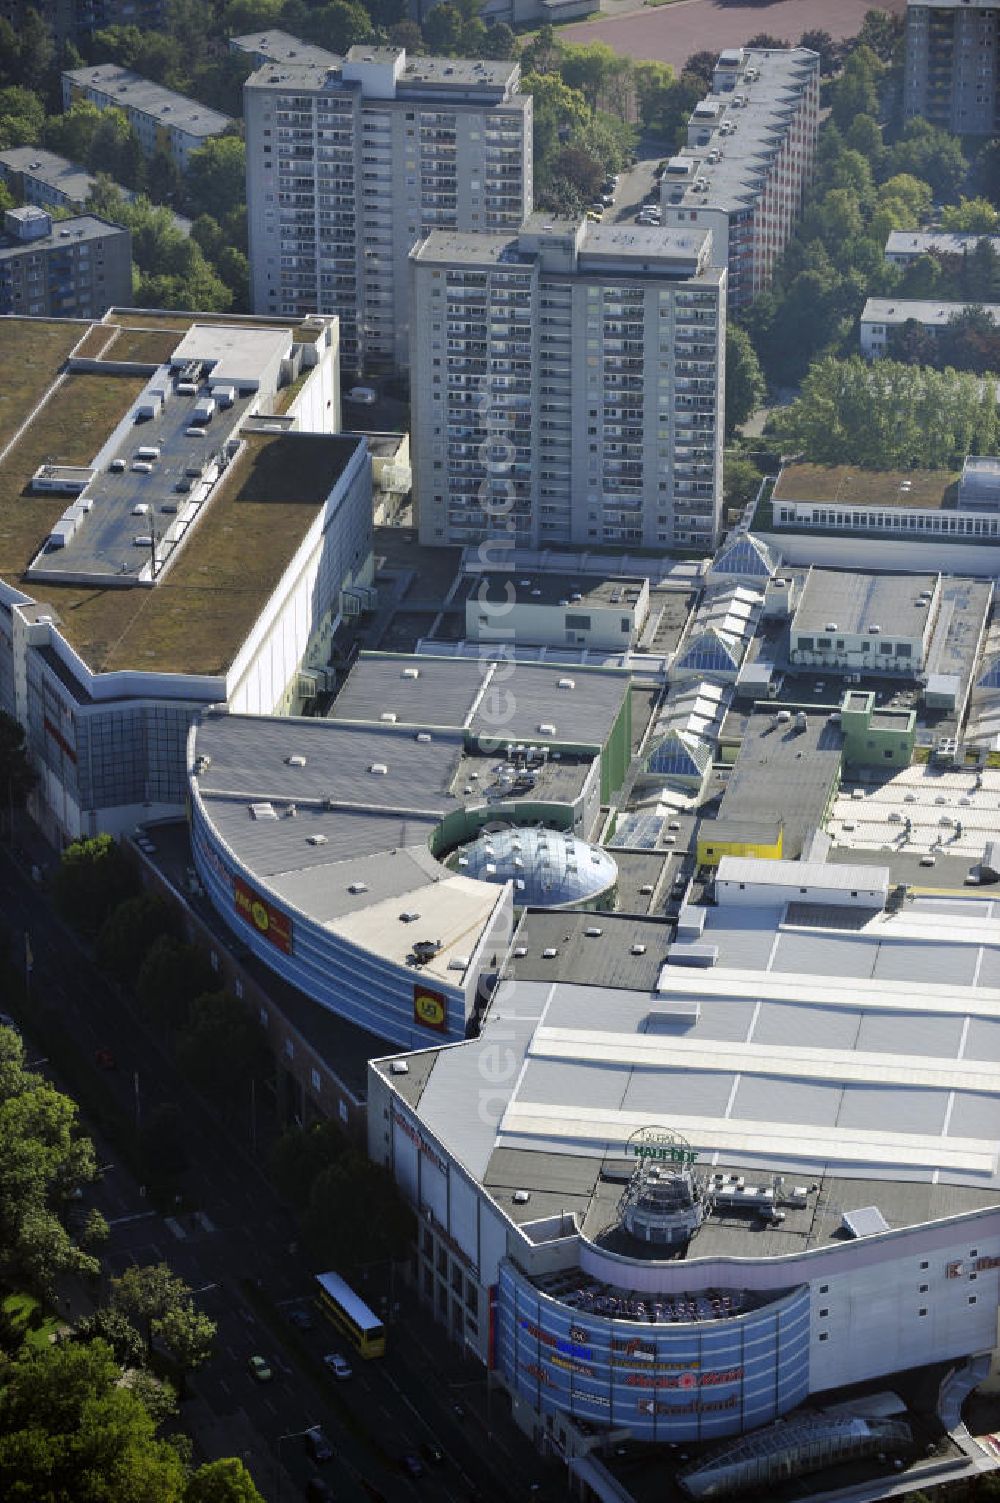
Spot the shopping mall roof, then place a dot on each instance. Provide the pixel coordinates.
(848, 602)
(201, 609)
(866, 1061)
(848, 485)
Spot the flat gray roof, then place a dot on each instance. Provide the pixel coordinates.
(782, 774)
(557, 589)
(944, 242)
(857, 601)
(49, 168)
(65, 233)
(132, 91)
(508, 702)
(604, 959)
(931, 313)
(278, 46)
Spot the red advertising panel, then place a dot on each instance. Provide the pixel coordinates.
(430, 1008)
(267, 920)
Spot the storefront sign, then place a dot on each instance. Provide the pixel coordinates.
(269, 921)
(419, 1141)
(430, 1008)
(662, 1144)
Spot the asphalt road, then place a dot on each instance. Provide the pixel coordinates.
(234, 1243)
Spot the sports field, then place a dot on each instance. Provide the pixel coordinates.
(671, 33)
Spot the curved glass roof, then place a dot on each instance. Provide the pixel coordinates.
(549, 868)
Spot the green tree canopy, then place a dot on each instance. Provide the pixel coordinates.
(130, 930)
(380, 1226)
(92, 878)
(745, 386)
(22, 117)
(171, 976)
(223, 1047)
(888, 415)
(931, 154)
(71, 1432)
(160, 1304)
(970, 216)
(216, 176)
(17, 778)
(225, 1481)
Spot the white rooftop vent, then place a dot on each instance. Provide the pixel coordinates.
(874, 629)
(399, 1067)
(423, 737)
(637, 950)
(567, 683)
(316, 839)
(830, 626)
(546, 728)
(592, 931)
(262, 811)
(356, 887)
(458, 963)
(379, 768)
(389, 717)
(295, 760)
(521, 1197)
(520, 951)
(550, 953)
(411, 673)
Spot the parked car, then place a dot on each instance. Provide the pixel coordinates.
(338, 1366)
(301, 1319)
(260, 1369)
(412, 1464)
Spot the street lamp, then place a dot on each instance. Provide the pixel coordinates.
(291, 1435)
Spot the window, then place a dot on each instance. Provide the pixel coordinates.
(824, 1336)
(263, 1015)
(824, 1289)
(922, 1310)
(238, 986)
(315, 1080)
(289, 1049)
(972, 1299)
(925, 1265)
(923, 1289)
(823, 1312)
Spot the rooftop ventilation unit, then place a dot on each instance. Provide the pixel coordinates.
(388, 717)
(399, 1067)
(262, 811)
(356, 887)
(423, 737)
(546, 728)
(550, 953)
(567, 683)
(379, 769)
(411, 673)
(521, 1197)
(295, 760)
(316, 839)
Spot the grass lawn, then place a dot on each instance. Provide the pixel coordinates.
(31, 352)
(20, 1308)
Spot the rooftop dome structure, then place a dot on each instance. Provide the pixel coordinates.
(549, 868)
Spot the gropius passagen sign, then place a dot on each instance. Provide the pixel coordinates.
(262, 916)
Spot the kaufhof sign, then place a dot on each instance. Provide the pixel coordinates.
(275, 926)
(660, 1143)
(430, 1008)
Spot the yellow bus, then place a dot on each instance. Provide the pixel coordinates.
(349, 1313)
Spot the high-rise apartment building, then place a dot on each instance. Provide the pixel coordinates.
(748, 161)
(952, 58)
(349, 165)
(567, 386)
(75, 268)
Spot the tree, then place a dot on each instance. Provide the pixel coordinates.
(161, 1305)
(129, 931)
(442, 28)
(864, 135)
(225, 1481)
(339, 25)
(380, 1227)
(171, 975)
(970, 341)
(72, 1432)
(223, 1047)
(702, 65)
(43, 1157)
(652, 82)
(71, 134)
(216, 175)
(740, 484)
(745, 386)
(879, 33)
(910, 197)
(91, 879)
(17, 777)
(251, 15)
(543, 52)
(161, 1144)
(501, 41)
(35, 50)
(855, 92)
(115, 1329)
(931, 154)
(970, 216)
(598, 72)
(887, 415)
(822, 42)
(301, 1154)
(581, 169)
(22, 117)
(559, 112)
